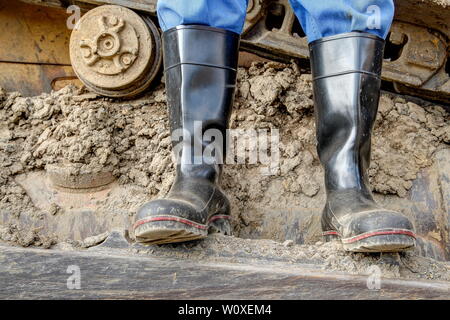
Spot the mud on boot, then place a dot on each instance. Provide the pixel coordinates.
(354, 218)
(192, 208)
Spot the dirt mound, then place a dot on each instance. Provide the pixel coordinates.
(88, 134)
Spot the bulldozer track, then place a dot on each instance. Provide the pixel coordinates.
(416, 57)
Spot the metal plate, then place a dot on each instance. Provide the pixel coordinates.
(34, 56)
(111, 273)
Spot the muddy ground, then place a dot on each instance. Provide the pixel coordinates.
(81, 134)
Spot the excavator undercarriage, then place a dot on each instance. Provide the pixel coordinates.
(37, 46)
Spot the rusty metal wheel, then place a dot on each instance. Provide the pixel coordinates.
(115, 52)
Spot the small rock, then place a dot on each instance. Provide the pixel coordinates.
(53, 210)
(85, 97)
(288, 243)
(94, 240)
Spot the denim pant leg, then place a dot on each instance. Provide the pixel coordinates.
(322, 18)
(224, 14)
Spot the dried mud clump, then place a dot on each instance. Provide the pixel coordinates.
(26, 238)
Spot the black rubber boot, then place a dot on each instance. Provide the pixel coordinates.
(346, 79)
(200, 70)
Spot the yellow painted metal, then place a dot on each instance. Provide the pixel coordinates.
(34, 48)
(33, 79)
(33, 34)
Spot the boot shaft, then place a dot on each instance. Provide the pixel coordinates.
(346, 74)
(200, 65)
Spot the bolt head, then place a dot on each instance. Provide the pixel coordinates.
(114, 21)
(126, 60)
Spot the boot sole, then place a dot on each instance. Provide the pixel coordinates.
(392, 240)
(171, 229)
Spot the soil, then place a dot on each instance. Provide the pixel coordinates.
(86, 134)
(26, 238)
(326, 256)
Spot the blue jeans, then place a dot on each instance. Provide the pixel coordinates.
(318, 18)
